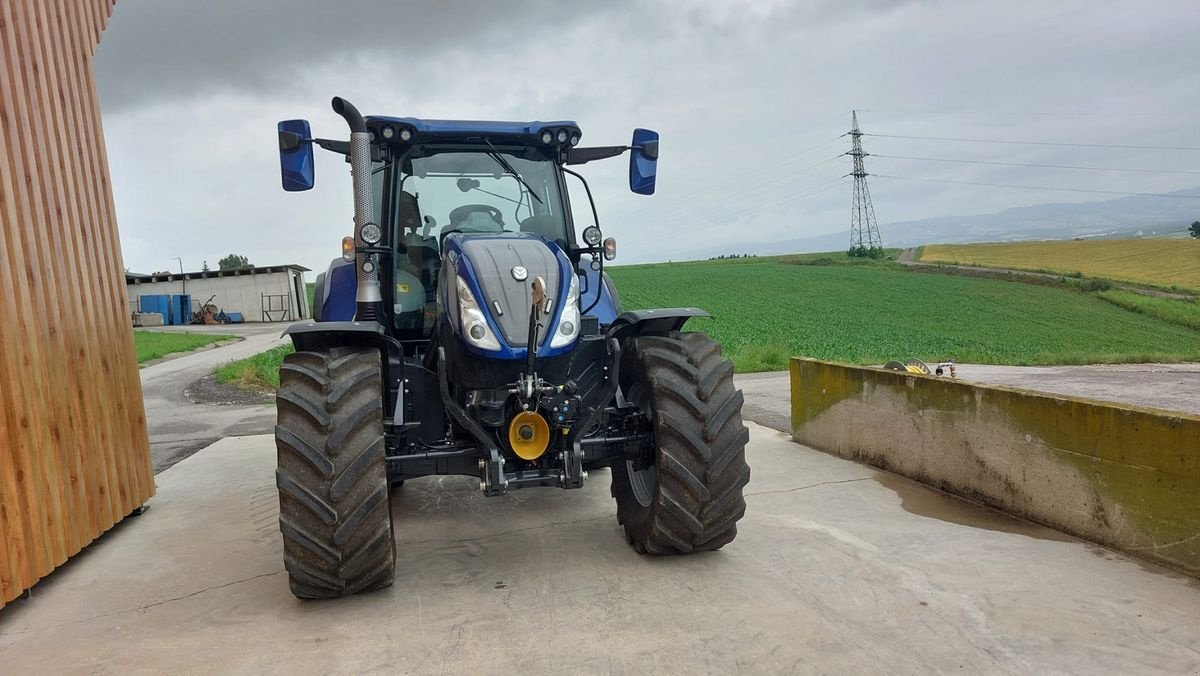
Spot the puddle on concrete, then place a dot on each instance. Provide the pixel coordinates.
(919, 499)
(1148, 566)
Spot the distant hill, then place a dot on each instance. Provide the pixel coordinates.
(1123, 217)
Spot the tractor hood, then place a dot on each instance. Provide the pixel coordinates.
(499, 270)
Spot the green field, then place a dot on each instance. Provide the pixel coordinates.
(1174, 310)
(825, 306)
(766, 311)
(155, 344)
(1159, 262)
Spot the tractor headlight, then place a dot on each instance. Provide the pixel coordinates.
(562, 135)
(474, 324)
(406, 134)
(371, 233)
(568, 323)
(547, 137)
(592, 235)
(388, 132)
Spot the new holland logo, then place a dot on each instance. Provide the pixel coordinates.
(519, 273)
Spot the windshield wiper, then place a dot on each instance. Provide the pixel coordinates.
(495, 155)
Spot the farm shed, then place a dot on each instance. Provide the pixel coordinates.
(74, 451)
(273, 293)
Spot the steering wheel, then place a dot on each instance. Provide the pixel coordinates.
(459, 214)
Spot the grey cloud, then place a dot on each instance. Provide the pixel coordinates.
(182, 48)
(736, 88)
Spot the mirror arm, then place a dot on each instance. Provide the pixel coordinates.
(585, 155)
(339, 147)
(289, 141)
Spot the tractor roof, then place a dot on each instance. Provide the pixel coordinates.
(473, 130)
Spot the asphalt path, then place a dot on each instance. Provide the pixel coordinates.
(179, 427)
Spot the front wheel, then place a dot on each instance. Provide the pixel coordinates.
(685, 496)
(333, 488)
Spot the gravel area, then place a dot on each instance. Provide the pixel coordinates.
(208, 391)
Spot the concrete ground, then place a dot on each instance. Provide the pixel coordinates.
(178, 427)
(837, 568)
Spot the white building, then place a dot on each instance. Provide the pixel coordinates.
(274, 293)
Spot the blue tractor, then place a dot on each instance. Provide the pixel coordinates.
(468, 329)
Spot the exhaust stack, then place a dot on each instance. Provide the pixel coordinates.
(368, 299)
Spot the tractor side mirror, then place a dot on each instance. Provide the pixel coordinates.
(296, 155)
(643, 161)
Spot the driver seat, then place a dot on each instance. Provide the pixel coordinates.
(420, 255)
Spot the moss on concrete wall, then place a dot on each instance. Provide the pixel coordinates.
(1122, 476)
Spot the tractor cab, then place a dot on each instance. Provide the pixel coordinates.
(439, 180)
(440, 184)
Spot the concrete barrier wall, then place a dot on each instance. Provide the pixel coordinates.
(1121, 476)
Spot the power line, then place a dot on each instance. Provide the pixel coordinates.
(1037, 187)
(1035, 143)
(756, 207)
(676, 199)
(765, 187)
(1031, 164)
(1018, 113)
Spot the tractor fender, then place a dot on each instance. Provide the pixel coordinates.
(318, 298)
(336, 293)
(325, 335)
(640, 322)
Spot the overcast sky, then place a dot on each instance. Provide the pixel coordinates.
(750, 99)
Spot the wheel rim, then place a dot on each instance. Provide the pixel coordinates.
(642, 482)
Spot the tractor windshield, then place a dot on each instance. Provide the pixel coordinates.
(441, 190)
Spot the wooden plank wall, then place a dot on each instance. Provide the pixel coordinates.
(74, 451)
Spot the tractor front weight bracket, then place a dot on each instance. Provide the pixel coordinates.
(492, 481)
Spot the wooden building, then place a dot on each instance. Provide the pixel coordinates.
(74, 452)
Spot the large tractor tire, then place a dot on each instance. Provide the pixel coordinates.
(690, 498)
(333, 489)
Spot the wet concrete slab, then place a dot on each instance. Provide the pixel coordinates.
(1172, 387)
(837, 568)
